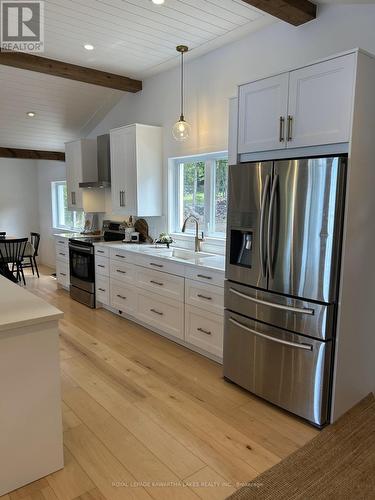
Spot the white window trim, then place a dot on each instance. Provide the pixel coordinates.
(175, 187)
(55, 216)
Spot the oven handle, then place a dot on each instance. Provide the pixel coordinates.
(299, 310)
(305, 347)
(81, 249)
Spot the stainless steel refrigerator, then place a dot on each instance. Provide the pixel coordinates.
(282, 277)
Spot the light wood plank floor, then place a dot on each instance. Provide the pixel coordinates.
(144, 417)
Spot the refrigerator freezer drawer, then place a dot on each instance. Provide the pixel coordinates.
(288, 370)
(306, 318)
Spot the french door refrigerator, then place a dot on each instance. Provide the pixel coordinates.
(282, 275)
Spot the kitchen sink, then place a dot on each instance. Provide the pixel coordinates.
(180, 253)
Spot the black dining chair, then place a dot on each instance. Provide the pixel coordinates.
(3, 234)
(32, 253)
(11, 254)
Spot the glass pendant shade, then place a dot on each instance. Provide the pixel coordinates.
(181, 130)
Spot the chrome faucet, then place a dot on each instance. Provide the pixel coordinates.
(198, 240)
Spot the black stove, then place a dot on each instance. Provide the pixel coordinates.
(87, 240)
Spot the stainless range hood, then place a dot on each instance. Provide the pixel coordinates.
(104, 165)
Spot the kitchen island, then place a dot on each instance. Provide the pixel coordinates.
(30, 404)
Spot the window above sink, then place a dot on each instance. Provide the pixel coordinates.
(198, 186)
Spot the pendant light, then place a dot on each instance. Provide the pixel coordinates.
(181, 129)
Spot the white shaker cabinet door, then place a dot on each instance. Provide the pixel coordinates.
(320, 103)
(262, 113)
(123, 171)
(73, 172)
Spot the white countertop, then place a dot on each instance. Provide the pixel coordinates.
(209, 261)
(19, 308)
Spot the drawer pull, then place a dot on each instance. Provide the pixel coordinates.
(62, 242)
(204, 331)
(100, 265)
(121, 256)
(204, 297)
(101, 289)
(121, 297)
(63, 254)
(156, 265)
(156, 283)
(157, 312)
(120, 271)
(62, 274)
(100, 251)
(204, 276)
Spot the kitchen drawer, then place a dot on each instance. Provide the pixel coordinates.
(205, 275)
(122, 271)
(102, 290)
(164, 265)
(62, 252)
(164, 284)
(162, 313)
(121, 255)
(62, 273)
(123, 297)
(102, 251)
(208, 297)
(101, 266)
(204, 330)
(62, 241)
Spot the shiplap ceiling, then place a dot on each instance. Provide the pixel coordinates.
(135, 38)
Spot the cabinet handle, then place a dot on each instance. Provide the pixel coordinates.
(156, 265)
(72, 197)
(204, 297)
(281, 132)
(101, 289)
(100, 251)
(122, 198)
(290, 128)
(62, 274)
(121, 256)
(121, 297)
(120, 271)
(204, 331)
(157, 312)
(99, 265)
(156, 283)
(204, 276)
(63, 242)
(63, 254)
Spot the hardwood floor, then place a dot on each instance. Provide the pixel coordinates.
(144, 417)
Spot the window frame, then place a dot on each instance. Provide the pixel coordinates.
(175, 190)
(56, 209)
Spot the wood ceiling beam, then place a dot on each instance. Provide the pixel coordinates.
(294, 12)
(39, 64)
(31, 154)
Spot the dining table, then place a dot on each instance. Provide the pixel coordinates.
(4, 267)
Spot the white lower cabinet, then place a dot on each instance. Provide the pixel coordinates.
(204, 330)
(102, 288)
(208, 297)
(62, 273)
(161, 312)
(123, 297)
(161, 283)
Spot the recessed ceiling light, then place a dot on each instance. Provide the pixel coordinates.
(30, 114)
(88, 46)
(158, 2)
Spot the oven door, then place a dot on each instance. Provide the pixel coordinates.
(82, 267)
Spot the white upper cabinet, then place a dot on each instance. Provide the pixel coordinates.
(80, 160)
(136, 170)
(262, 112)
(320, 102)
(311, 106)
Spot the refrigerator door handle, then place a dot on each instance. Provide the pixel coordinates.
(270, 228)
(305, 347)
(298, 310)
(261, 226)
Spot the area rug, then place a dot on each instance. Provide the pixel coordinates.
(338, 464)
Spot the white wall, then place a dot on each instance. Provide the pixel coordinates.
(213, 78)
(46, 172)
(18, 197)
